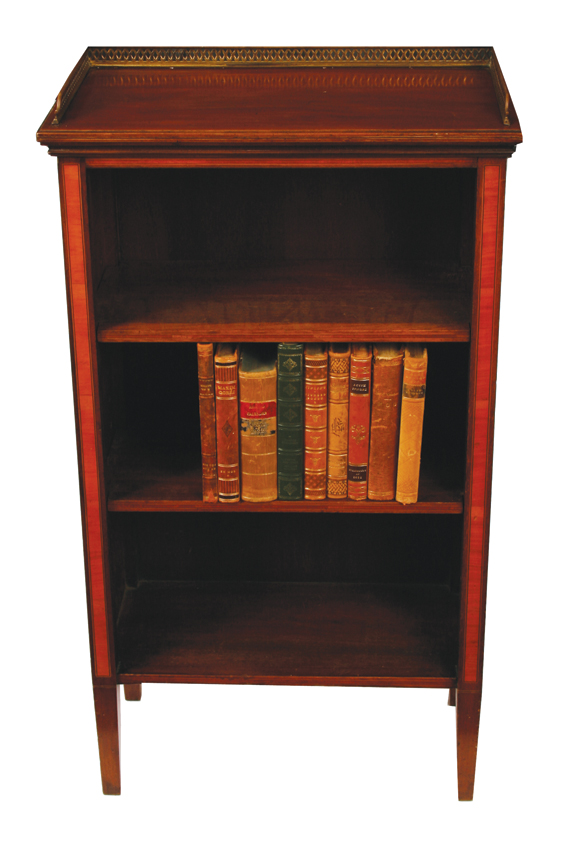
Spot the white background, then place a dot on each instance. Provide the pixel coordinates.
(280, 766)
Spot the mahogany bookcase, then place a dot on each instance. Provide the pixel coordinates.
(302, 194)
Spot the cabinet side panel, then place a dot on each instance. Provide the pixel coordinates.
(75, 257)
(484, 334)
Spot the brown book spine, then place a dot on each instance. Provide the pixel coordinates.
(226, 385)
(315, 421)
(207, 401)
(338, 407)
(385, 421)
(258, 424)
(359, 424)
(411, 423)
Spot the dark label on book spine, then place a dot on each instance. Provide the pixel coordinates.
(413, 391)
(360, 387)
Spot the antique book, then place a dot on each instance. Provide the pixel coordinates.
(207, 422)
(290, 421)
(257, 378)
(315, 420)
(338, 403)
(411, 423)
(226, 385)
(359, 423)
(388, 366)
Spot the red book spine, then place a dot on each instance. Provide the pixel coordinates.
(315, 421)
(226, 384)
(359, 421)
(207, 402)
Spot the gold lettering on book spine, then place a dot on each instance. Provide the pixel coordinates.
(338, 411)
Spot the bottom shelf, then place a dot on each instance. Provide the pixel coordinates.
(339, 634)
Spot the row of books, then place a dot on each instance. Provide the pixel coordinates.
(294, 421)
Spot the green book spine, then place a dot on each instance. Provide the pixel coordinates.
(290, 421)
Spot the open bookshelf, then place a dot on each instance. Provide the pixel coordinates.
(267, 196)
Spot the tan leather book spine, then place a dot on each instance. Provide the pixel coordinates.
(226, 386)
(338, 408)
(258, 423)
(411, 423)
(207, 402)
(315, 421)
(359, 423)
(388, 366)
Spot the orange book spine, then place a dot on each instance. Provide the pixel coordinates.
(226, 386)
(411, 423)
(359, 423)
(207, 402)
(385, 421)
(257, 377)
(315, 421)
(338, 408)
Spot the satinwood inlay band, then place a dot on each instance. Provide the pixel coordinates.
(74, 243)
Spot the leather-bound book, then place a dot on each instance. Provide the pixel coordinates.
(388, 365)
(411, 423)
(315, 420)
(338, 406)
(226, 385)
(359, 423)
(257, 377)
(207, 422)
(290, 421)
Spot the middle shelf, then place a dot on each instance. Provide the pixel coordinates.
(158, 478)
(151, 435)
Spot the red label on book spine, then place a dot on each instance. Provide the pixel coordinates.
(258, 410)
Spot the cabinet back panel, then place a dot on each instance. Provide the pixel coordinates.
(293, 547)
(284, 214)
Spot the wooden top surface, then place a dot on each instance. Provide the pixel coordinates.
(151, 97)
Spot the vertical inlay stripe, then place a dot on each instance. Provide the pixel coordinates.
(478, 529)
(83, 369)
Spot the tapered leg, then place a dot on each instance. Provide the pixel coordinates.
(107, 706)
(452, 697)
(133, 691)
(467, 724)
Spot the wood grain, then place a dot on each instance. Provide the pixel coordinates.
(274, 159)
(78, 295)
(258, 105)
(133, 691)
(485, 334)
(151, 478)
(299, 633)
(107, 706)
(298, 301)
(467, 727)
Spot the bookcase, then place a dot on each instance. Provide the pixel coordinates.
(267, 195)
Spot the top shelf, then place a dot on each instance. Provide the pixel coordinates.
(182, 97)
(323, 301)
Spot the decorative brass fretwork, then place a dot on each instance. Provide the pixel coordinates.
(328, 56)
(320, 57)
